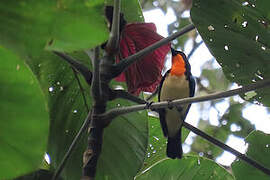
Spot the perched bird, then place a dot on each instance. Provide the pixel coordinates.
(177, 83)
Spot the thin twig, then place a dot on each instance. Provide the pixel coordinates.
(87, 74)
(126, 95)
(81, 89)
(125, 63)
(72, 146)
(227, 148)
(113, 41)
(123, 110)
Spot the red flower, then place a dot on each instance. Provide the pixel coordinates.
(144, 74)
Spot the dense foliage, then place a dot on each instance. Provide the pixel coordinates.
(42, 106)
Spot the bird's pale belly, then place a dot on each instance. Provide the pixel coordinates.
(174, 87)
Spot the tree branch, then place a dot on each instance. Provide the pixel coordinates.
(113, 42)
(72, 146)
(87, 74)
(227, 148)
(125, 63)
(123, 110)
(96, 91)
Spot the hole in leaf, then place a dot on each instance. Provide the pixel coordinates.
(211, 28)
(244, 24)
(245, 3)
(50, 42)
(256, 38)
(51, 89)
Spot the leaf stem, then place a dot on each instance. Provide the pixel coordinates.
(87, 74)
(113, 42)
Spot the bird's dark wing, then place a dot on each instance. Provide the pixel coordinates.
(162, 112)
(192, 85)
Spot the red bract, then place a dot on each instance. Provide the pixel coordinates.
(144, 74)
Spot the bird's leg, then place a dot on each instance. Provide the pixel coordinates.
(170, 106)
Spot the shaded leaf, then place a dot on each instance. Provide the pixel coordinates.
(38, 175)
(259, 150)
(237, 34)
(124, 146)
(189, 167)
(126, 135)
(24, 122)
(157, 144)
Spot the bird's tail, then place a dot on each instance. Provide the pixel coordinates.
(174, 146)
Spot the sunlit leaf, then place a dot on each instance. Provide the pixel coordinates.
(27, 26)
(24, 121)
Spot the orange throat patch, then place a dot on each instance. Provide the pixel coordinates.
(178, 65)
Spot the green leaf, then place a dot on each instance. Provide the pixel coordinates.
(24, 118)
(238, 36)
(217, 81)
(124, 146)
(202, 145)
(234, 116)
(125, 140)
(27, 26)
(38, 175)
(259, 150)
(131, 9)
(157, 142)
(189, 167)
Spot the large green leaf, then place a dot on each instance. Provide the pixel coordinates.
(24, 122)
(125, 144)
(259, 150)
(38, 175)
(189, 167)
(125, 140)
(28, 25)
(238, 35)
